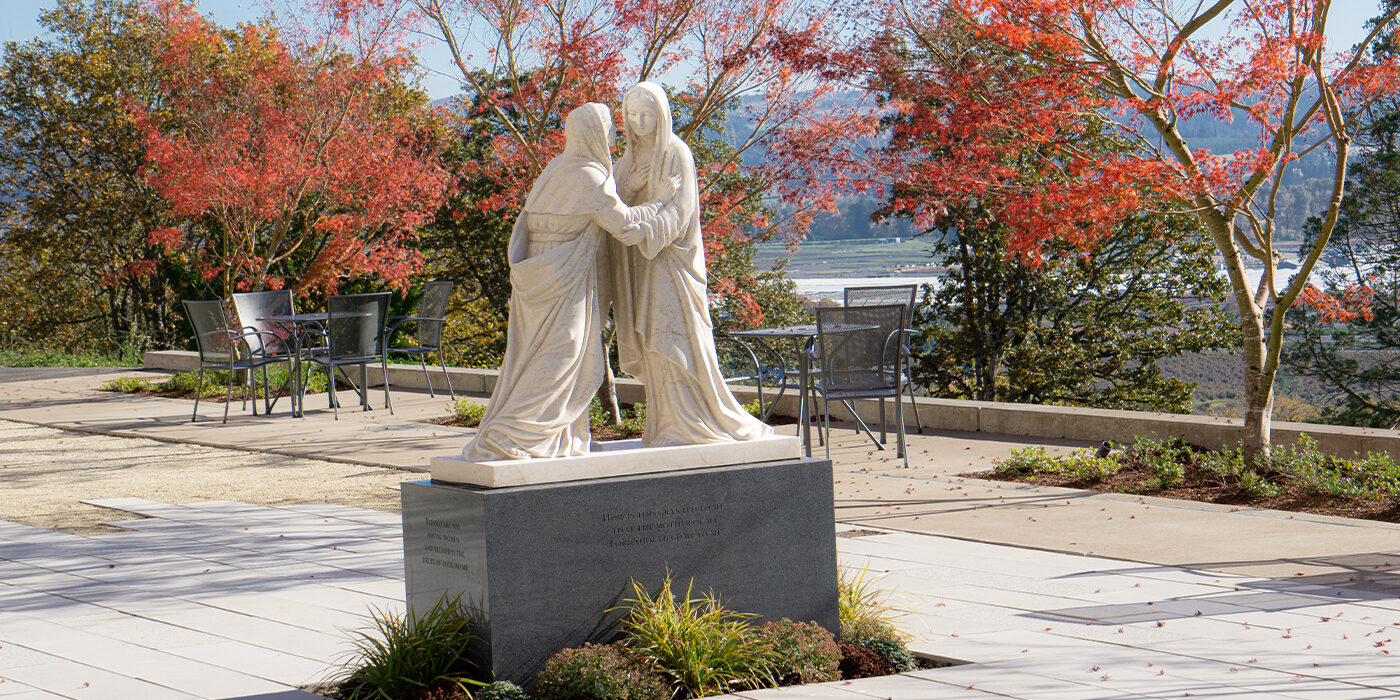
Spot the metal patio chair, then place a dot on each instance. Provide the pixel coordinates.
(227, 348)
(271, 339)
(860, 359)
(429, 319)
(354, 336)
(906, 294)
(759, 364)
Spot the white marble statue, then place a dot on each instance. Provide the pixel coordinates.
(554, 353)
(664, 334)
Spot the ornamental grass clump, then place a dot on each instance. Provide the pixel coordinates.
(858, 600)
(411, 656)
(599, 672)
(867, 627)
(704, 647)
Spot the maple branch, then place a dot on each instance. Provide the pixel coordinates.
(1192, 26)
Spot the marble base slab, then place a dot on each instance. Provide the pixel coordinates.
(610, 459)
(545, 567)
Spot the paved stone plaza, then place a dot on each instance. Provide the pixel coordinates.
(228, 600)
(250, 592)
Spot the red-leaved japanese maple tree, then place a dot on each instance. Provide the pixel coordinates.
(527, 63)
(297, 164)
(1152, 66)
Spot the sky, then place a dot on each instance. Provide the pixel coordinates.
(19, 21)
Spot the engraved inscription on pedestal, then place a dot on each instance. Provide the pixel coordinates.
(647, 526)
(443, 547)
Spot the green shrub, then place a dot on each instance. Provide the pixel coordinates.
(861, 631)
(882, 638)
(1380, 472)
(58, 358)
(598, 672)
(893, 651)
(754, 409)
(1086, 467)
(1165, 460)
(1228, 464)
(706, 648)
(802, 652)
(216, 384)
(127, 385)
(633, 419)
(467, 411)
(1254, 484)
(859, 662)
(1025, 461)
(1310, 472)
(408, 654)
(501, 690)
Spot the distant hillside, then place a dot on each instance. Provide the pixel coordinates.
(1219, 378)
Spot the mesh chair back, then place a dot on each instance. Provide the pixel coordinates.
(859, 347)
(433, 305)
(250, 306)
(355, 324)
(210, 330)
(905, 294)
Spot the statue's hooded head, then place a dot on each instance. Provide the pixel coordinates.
(646, 98)
(643, 100)
(579, 180)
(588, 134)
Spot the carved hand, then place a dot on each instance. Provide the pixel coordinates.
(632, 235)
(669, 186)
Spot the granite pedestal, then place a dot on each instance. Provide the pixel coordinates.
(543, 566)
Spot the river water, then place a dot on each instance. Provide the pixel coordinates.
(832, 287)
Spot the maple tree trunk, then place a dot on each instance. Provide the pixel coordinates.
(607, 393)
(1258, 385)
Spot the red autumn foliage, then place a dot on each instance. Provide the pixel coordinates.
(773, 59)
(1154, 65)
(297, 165)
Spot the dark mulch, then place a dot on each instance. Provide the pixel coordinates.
(1205, 486)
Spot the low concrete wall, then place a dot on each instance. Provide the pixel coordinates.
(1028, 420)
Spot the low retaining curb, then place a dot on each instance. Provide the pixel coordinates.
(1028, 420)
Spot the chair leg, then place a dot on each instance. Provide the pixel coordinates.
(883, 436)
(909, 385)
(446, 376)
(198, 389)
(826, 406)
(228, 394)
(267, 393)
(330, 389)
(364, 387)
(899, 429)
(388, 403)
(251, 388)
(423, 366)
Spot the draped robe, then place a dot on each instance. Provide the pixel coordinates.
(554, 353)
(660, 303)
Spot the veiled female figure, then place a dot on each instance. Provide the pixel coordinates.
(664, 334)
(554, 352)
